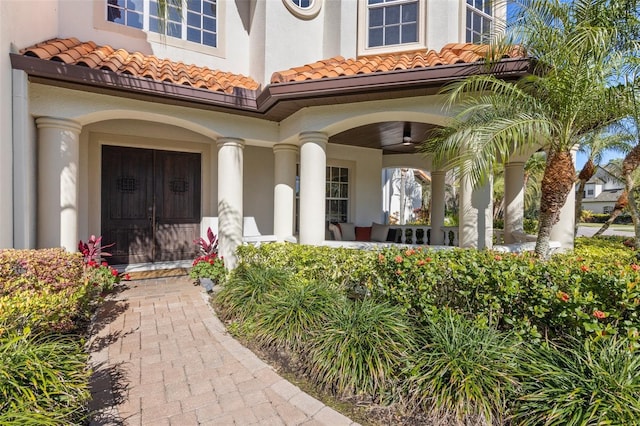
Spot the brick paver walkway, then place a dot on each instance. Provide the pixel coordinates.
(161, 357)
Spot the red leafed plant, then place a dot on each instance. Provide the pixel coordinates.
(209, 264)
(92, 250)
(208, 247)
(99, 274)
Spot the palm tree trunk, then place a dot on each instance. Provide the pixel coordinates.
(617, 210)
(557, 182)
(498, 208)
(633, 209)
(629, 165)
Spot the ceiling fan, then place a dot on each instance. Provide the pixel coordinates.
(407, 143)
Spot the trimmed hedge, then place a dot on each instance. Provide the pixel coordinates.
(576, 294)
(42, 289)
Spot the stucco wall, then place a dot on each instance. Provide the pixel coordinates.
(258, 186)
(86, 20)
(20, 25)
(366, 191)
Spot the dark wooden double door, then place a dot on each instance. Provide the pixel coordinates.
(150, 204)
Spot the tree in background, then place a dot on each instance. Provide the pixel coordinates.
(594, 145)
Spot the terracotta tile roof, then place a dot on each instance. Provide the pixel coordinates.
(453, 53)
(74, 52)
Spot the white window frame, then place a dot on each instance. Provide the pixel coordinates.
(303, 12)
(350, 167)
(495, 11)
(363, 30)
(101, 22)
(328, 198)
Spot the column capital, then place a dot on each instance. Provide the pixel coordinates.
(319, 138)
(58, 123)
(438, 172)
(514, 164)
(230, 141)
(285, 147)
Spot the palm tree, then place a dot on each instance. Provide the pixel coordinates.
(631, 162)
(575, 55)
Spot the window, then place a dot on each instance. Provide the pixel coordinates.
(607, 209)
(589, 192)
(479, 20)
(303, 9)
(126, 12)
(197, 22)
(392, 22)
(337, 195)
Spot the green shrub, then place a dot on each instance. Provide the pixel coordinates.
(464, 368)
(567, 295)
(509, 291)
(43, 379)
(36, 269)
(461, 373)
(247, 287)
(338, 267)
(293, 312)
(44, 290)
(579, 383)
(361, 347)
(624, 218)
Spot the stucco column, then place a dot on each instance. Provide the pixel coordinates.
(563, 231)
(438, 189)
(313, 164)
(58, 157)
(230, 185)
(284, 190)
(476, 215)
(513, 199)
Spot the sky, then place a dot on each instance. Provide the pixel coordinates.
(582, 158)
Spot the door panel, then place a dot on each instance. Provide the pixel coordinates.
(177, 189)
(150, 204)
(127, 203)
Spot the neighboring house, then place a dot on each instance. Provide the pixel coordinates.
(602, 191)
(284, 110)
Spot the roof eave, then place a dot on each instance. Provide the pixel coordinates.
(388, 81)
(262, 103)
(240, 99)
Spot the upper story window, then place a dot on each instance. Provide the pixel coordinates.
(480, 17)
(196, 22)
(392, 22)
(389, 26)
(126, 12)
(303, 9)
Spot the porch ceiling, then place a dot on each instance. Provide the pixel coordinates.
(387, 136)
